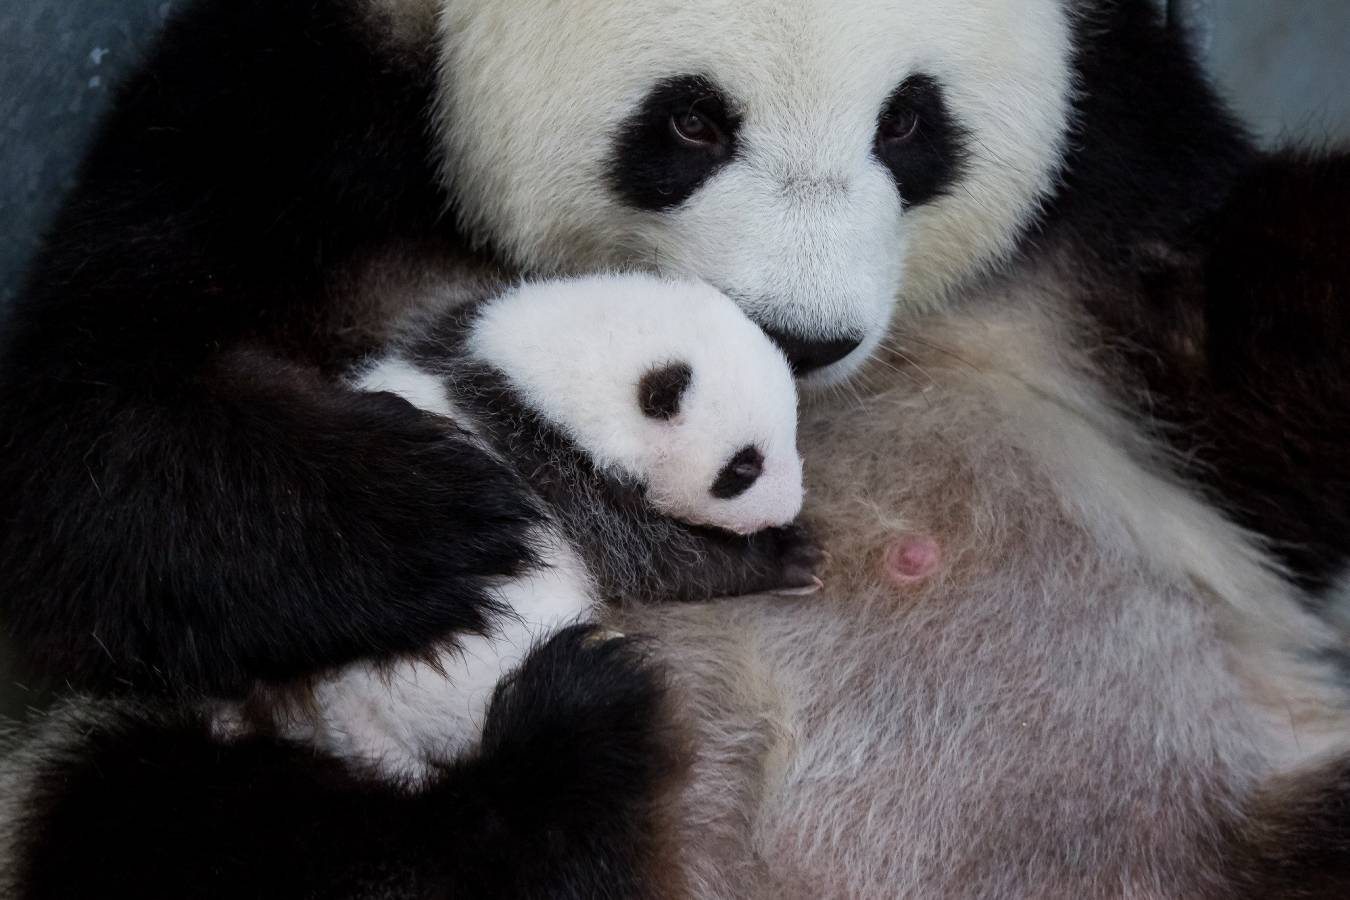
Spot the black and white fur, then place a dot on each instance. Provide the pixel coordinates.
(664, 386)
(656, 427)
(1094, 287)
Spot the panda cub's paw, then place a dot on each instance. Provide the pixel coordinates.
(663, 383)
(791, 558)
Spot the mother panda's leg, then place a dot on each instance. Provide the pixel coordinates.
(563, 798)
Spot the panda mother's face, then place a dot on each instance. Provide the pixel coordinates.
(818, 160)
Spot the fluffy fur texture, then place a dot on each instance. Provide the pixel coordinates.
(404, 719)
(1084, 700)
(576, 350)
(562, 799)
(217, 509)
(1259, 387)
(804, 226)
(1106, 686)
(549, 377)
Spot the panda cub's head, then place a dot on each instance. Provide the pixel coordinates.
(660, 382)
(815, 160)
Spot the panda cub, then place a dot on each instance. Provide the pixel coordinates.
(655, 425)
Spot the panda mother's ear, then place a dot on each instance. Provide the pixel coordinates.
(662, 389)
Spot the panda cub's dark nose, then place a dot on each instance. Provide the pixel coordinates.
(806, 356)
(739, 474)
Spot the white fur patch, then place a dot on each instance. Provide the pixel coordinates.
(397, 375)
(402, 718)
(577, 349)
(803, 227)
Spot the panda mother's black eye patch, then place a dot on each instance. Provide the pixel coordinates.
(651, 167)
(930, 157)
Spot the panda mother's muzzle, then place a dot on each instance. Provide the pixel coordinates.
(806, 355)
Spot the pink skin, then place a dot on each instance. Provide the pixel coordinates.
(910, 559)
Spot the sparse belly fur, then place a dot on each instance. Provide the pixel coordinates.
(1071, 688)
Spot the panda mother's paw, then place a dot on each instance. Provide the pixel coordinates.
(663, 383)
(589, 706)
(575, 781)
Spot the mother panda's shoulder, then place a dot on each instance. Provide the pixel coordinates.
(264, 142)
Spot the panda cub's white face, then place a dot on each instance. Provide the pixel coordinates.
(665, 383)
(816, 160)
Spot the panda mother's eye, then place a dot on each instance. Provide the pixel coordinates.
(695, 128)
(682, 132)
(898, 126)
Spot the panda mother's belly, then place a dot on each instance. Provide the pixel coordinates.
(1021, 678)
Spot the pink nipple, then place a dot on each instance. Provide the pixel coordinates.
(911, 558)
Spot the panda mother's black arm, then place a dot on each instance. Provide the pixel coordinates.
(187, 500)
(563, 800)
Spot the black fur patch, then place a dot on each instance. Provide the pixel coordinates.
(1245, 346)
(661, 391)
(1152, 149)
(926, 163)
(1277, 300)
(738, 475)
(1221, 276)
(650, 168)
(210, 509)
(563, 800)
(1294, 840)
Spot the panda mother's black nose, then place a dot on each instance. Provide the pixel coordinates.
(806, 355)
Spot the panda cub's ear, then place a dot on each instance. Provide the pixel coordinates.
(662, 389)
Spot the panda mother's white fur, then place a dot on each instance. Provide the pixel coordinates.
(803, 225)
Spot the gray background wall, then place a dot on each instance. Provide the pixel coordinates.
(58, 61)
(1284, 63)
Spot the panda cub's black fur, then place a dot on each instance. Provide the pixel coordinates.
(737, 404)
(663, 470)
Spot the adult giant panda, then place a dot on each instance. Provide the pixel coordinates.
(1049, 664)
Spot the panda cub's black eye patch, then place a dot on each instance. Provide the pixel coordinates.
(661, 390)
(682, 133)
(920, 141)
(739, 474)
